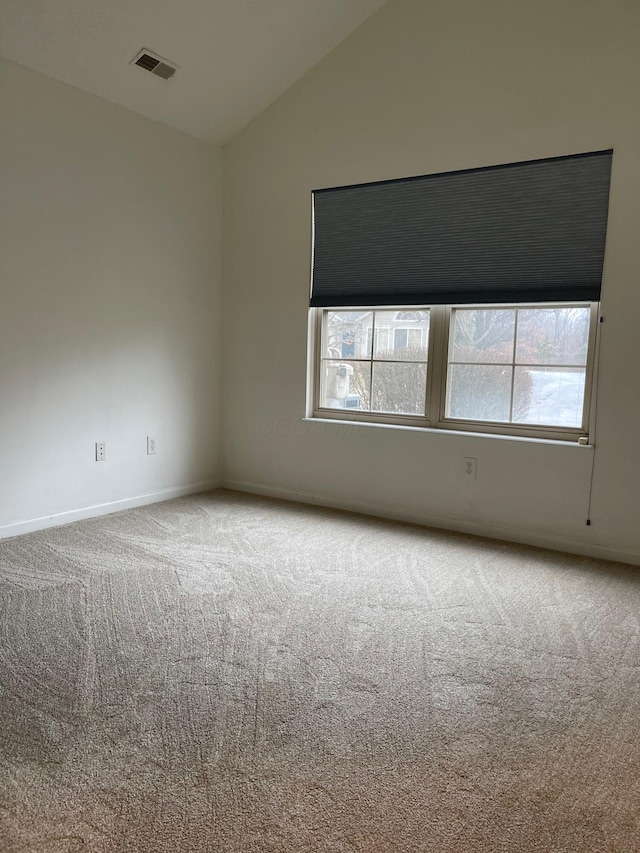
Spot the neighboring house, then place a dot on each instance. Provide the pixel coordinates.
(350, 332)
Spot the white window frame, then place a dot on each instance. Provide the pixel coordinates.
(437, 367)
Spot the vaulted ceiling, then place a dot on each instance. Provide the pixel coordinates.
(235, 57)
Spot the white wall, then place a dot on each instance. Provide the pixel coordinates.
(110, 269)
(419, 88)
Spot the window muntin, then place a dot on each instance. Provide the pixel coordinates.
(507, 369)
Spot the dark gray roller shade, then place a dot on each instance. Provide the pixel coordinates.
(522, 232)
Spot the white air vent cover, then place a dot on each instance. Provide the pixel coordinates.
(155, 64)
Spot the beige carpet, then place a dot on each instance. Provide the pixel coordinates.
(230, 673)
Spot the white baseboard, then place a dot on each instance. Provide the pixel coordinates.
(30, 525)
(585, 549)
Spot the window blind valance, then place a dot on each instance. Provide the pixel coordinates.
(522, 232)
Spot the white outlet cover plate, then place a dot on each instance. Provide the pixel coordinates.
(470, 467)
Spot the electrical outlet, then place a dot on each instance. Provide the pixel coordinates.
(100, 451)
(470, 465)
(151, 446)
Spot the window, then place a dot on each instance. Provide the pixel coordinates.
(513, 369)
(519, 365)
(381, 378)
(464, 300)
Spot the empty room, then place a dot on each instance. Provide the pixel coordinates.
(319, 407)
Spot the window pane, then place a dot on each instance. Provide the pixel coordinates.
(549, 395)
(401, 335)
(483, 335)
(399, 387)
(479, 392)
(399, 339)
(382, 339)
(553, 336)
(414, 337)
(348, 334)
(345, 385)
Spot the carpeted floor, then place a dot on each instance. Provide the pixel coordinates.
(230, 673)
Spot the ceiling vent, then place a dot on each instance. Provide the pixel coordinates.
(155, 64)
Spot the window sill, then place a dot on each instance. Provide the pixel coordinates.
(449, 432)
